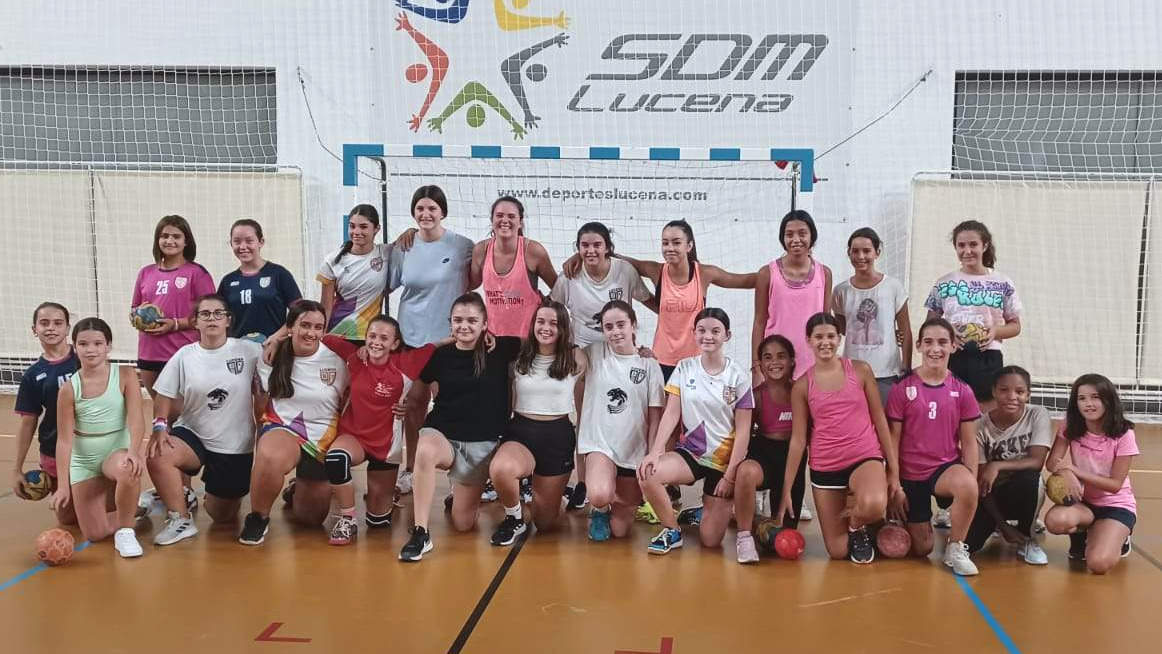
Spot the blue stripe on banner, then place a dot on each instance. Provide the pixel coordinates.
(33, 570)
(427, 150)
(725, 154)
(486, 152)
(665, 154)
(604, 153)
(1008, 643)
(544, 152)
(351, 154)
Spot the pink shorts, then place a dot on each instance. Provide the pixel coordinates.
(48, 464)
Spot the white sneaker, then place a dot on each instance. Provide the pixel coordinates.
(1038, 526)
(940, 519)
(176, 528)
(125, 542)
(403, 483)
(956, 557)
(1032, 553)
(805, 514)
(149, 504)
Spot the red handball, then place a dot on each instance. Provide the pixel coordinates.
(893, 541)
(55, 546)
(789, 544)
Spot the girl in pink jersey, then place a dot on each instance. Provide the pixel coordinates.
(933, 416)
(171, 284)
(791, 289)
(510, 296)
(850, 445)
(1101, 444)
(766, 457)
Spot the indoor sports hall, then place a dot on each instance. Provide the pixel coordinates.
(755, 179)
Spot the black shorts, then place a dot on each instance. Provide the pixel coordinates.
(771, 455)
(626, 472)
(920, 494)
(838, 479)
(977, 368)
(374, 464)
(1124, 516)
(150, 366)
(551, 443)
(709, 476)
(226, 475)
(310, 468)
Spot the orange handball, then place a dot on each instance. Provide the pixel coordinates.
(55, 546)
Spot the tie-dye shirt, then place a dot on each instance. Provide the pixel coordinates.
(973, 302)
(320, 383)
(360, 282)
(708, 404)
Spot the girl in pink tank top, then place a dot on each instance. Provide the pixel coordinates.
(511, 297)
(850, 444)
(792, 288)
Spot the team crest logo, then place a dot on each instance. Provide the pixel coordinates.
(377, 264)
(180, 282)
(264, 282)
(637, 375)
(236, 365)
(327, 375)
(616, 293)
(729, 394)
(910, 392)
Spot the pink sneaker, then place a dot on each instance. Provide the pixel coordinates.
(744, 543)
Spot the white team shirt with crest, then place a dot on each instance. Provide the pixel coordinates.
(585, 297)
(708, 404)
(215, 388)
(320, 382)
(619, 389)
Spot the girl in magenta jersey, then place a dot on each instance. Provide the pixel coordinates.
(171, 284)
(791, 289)
(933, 416)
(1101, 445)
(511, 296)
(851, 446)
(766, 459)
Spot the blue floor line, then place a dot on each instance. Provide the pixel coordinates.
(33, 570)
(1010, 646)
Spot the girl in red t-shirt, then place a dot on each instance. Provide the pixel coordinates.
(371, 424)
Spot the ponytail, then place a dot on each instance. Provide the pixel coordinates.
(280, 385)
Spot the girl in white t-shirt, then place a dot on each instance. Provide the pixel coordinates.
(619, 420)
(710, 396)
(872, 308)
(306, 384)
(213, 381)
(355, 278)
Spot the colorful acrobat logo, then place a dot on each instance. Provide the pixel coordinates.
(474, 97)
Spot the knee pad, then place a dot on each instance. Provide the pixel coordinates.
(338, 466)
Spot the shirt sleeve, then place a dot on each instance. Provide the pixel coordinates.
(901, 294)
(203, 283)
(674, 387)
(638, 288)
(897, 403)
(326, 274)
(837, 300)
(341, 346)
(223, 290)
(288, 288)
(137, 299)
(969, 409)
(28, 400)
(432, 368)
(1012, 304)
(1042, 430)
(508, 347)
(395, 269)
(657, 396)
(170, 380)
(412, 362)
(264, 371)
(559, 292)
(1127, 444)
(745, 395)
(982, 443)
(933, 302)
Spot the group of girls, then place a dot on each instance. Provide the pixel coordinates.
(340, 383)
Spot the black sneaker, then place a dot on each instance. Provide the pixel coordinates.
(508, 530)
(417, 546)
(526, 490)
(288, 493)
(1126, 548)
(1077, 543)
(577, 499)
(254, 529)
(859, 546)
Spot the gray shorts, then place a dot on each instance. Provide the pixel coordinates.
(470, 459)
(885, 384)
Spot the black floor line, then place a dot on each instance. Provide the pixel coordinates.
(470, 624)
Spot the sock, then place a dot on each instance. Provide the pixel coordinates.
(744, 531)
(347, 512)
(603, 509)
(513, 511)
(377, 520)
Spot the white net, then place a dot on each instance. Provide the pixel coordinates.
(733, 207)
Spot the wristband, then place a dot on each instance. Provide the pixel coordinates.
(160, 424)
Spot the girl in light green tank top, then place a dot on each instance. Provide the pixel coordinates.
(100, 432)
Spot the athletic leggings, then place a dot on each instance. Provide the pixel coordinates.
(1017, 500)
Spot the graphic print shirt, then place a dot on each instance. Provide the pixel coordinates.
(708, 404)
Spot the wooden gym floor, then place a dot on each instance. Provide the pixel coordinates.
(558, 593)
